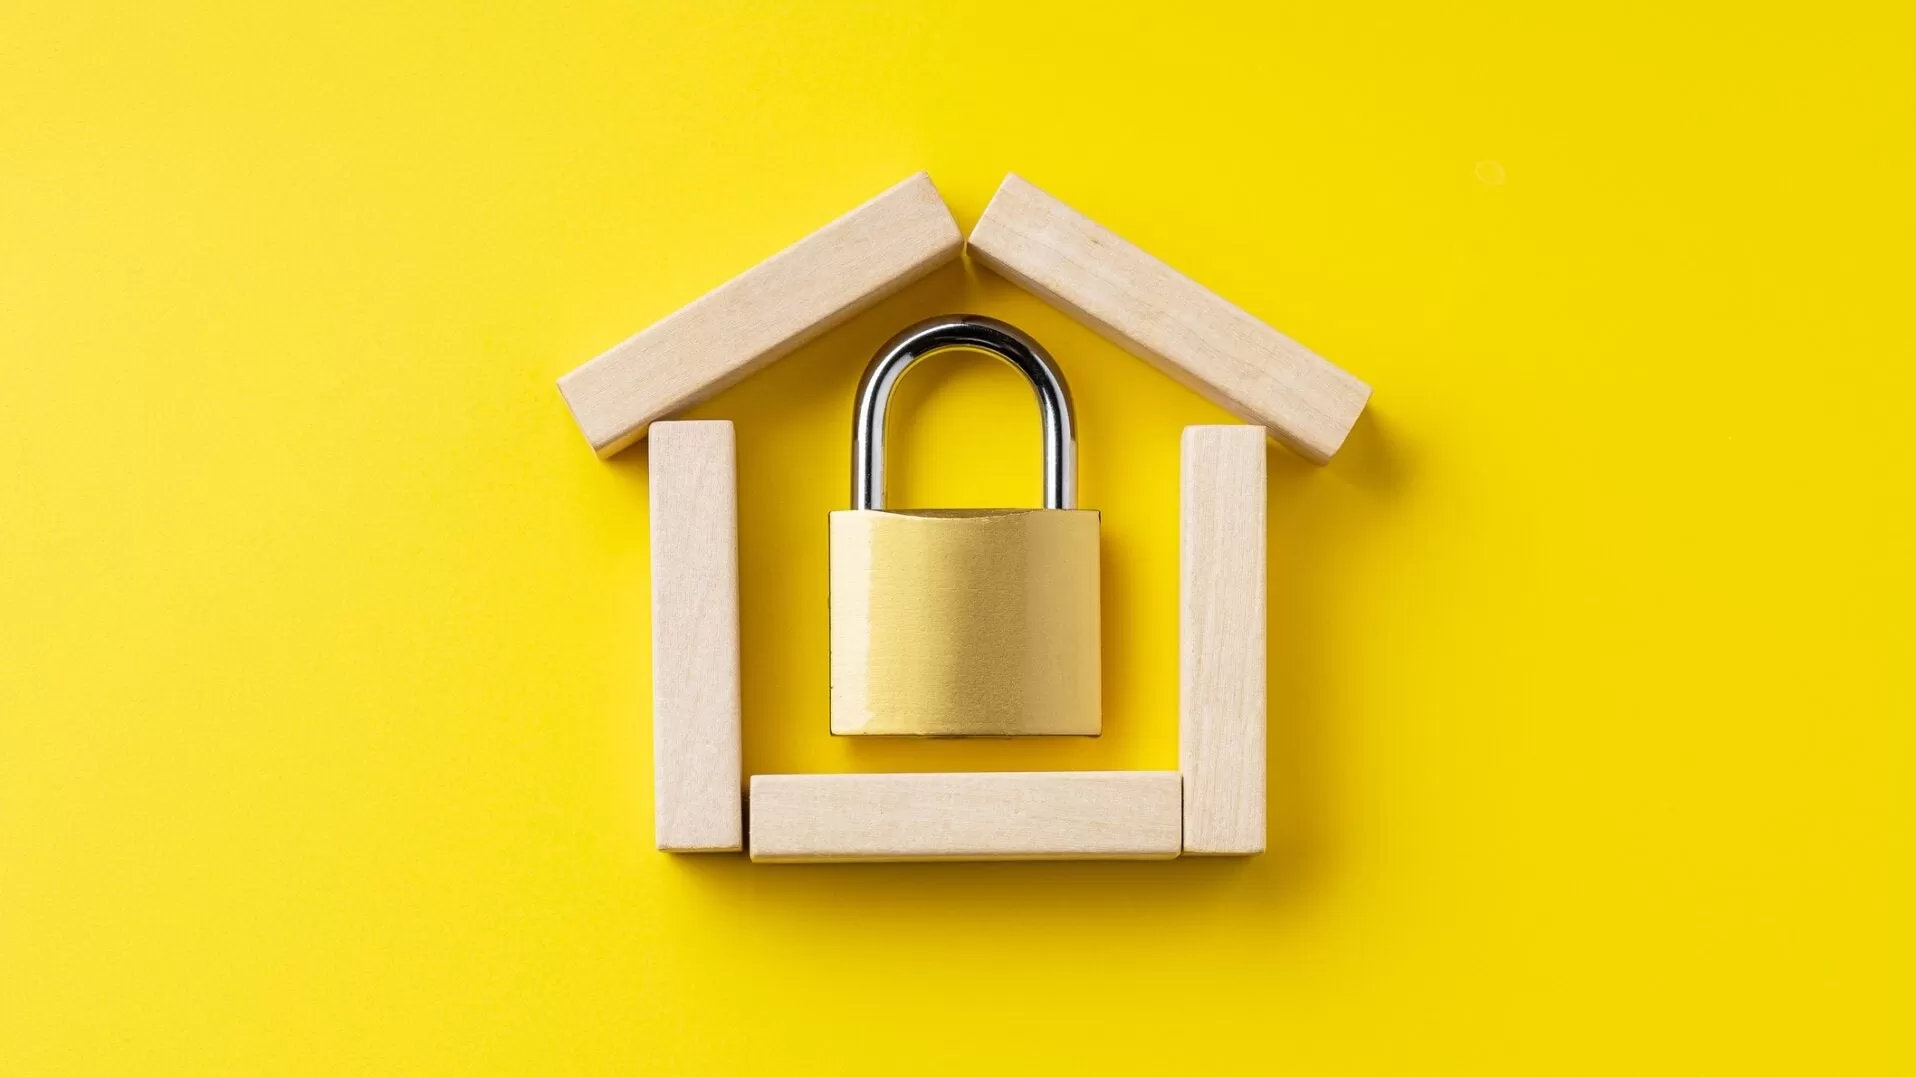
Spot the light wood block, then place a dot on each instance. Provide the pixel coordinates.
(1071, 815)
(762, 314)
(1221, 705)
(1168, 319)
(697, 772)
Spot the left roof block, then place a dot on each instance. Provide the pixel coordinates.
(763, 314)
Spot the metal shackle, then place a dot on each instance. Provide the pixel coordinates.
(983, 334)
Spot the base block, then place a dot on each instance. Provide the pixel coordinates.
(1072, 815)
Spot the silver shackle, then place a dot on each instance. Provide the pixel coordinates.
(983, 334)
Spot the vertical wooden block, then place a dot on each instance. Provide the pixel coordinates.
(1168, 319)
(697, 772)
(1221, 714)
(762, 314)
(1072, 815)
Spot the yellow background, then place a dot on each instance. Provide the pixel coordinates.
(323, 637)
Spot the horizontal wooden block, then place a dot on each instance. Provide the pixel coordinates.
(1168, 319)
(762, 314)
(1221, 674)
(1071, 815)
(697, 780)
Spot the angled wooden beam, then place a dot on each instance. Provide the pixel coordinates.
(1221, 674)
(1168, 319)
(696, 768)
(1070, 815)
(762, 315)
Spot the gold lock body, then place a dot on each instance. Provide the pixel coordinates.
(965, 622)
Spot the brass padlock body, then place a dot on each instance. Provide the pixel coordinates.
(965, 622)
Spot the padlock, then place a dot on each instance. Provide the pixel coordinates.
(964, 622)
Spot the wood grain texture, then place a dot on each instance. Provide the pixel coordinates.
(1073, 815)
(697, 775)
(1168, 319)
(762, 314)
(1221, 661)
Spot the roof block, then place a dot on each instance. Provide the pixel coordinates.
(1169, 320)
(763, 314)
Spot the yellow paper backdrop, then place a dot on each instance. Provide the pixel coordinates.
(323, 637)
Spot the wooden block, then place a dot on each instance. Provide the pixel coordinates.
(695, 698)
(762, 314)
(1221, 640)
(1168, 319)
(1071, 815)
